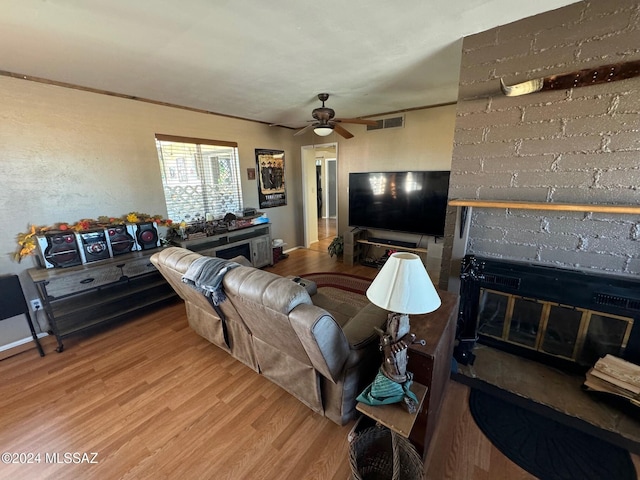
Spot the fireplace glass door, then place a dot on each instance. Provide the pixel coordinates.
(492, 313)
(525, 322)
(604, 334)
(564, 331)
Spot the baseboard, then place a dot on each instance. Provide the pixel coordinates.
(24, 344)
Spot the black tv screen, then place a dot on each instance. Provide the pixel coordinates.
(412, 202)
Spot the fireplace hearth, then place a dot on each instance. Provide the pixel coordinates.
(562, 317)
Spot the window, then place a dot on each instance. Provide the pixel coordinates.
(201, 178)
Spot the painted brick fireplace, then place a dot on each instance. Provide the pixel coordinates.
(579, 146)
(576, 146)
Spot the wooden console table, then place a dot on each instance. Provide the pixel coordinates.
(85, 296)
(431, 364)
(253, 242)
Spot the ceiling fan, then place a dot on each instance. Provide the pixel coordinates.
(325, 121)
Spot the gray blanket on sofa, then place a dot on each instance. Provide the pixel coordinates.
(205, 274)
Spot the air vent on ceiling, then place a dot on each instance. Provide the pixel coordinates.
(392, 122)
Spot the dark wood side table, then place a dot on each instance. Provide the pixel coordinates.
(399, 423)
(394, 416)
(431, 364)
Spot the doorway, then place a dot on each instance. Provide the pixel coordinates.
(320, 193)
(328, 220)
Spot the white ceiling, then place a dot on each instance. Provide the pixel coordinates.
(255, 59)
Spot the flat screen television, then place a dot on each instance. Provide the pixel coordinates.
(411, 202)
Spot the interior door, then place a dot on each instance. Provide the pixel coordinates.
(332, 188)
(319, 187)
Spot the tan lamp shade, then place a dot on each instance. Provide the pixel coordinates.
(403, 286)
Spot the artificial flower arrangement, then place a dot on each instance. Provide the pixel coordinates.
(27, 241)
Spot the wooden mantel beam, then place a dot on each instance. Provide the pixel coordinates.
(559, 207)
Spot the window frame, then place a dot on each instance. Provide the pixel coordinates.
(200, 164)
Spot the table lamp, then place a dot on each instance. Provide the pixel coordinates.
(403, 287)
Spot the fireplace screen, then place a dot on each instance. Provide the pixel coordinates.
(564, 331)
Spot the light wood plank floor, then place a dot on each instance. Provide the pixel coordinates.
(326, 228)
(155, 400)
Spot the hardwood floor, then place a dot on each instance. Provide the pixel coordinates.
(326, 228)
(155, 400)
(460, 450)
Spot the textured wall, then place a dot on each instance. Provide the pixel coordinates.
(67, 154)
(424, 143)
(570, 146)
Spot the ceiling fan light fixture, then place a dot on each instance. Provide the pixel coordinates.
(323, 130)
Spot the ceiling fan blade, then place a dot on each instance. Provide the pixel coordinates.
(305, 129)
(359, 121)
(342, 131)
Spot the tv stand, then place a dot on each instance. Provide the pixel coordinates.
(393, 243)
(357, 246)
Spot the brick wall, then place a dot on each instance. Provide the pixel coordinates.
(569, 146)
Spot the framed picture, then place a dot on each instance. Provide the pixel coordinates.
(271, 179)
(251, 173)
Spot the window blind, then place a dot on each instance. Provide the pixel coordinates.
(200, 177)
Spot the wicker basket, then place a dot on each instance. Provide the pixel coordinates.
(372, 453)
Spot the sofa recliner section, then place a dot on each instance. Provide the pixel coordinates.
(173, 264)
(274, 327)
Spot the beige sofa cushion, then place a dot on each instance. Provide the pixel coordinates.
(271, 290)
(341, 311)
(173, 262)
(360, 329)
(264, 300)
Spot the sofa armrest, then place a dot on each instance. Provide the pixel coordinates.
(322, 339)
(360, 330)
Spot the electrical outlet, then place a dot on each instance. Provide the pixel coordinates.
(36, 304)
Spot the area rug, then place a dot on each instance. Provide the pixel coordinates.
(545, 448)
(341, 281)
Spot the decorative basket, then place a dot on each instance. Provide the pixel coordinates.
(376, 453)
